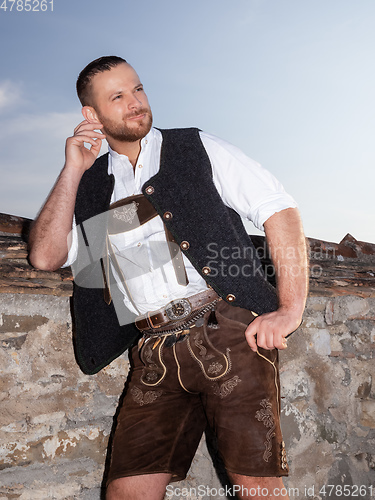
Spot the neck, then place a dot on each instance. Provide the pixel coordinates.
(129, 149)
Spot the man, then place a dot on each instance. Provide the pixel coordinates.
(208, 324)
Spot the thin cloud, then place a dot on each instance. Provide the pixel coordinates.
(31, 157)
(10, 94)
(55, 124)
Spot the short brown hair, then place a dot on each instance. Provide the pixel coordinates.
(100, 65)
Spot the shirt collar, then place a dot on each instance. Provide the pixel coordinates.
(145, 142)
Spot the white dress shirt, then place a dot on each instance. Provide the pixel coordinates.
(142, 253)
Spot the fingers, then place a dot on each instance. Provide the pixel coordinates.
(284, 344)
(84, 146)
(85, 125)
(267, 331)
(250, 335)
(270, 339)
(87, 132)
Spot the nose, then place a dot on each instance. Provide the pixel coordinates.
(134, 102)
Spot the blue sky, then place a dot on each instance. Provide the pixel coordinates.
(290, 82)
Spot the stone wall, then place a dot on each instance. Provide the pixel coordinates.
(329, 398)
(55, 421)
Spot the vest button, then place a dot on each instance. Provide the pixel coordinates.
(185, 245)
(230, 297)
(206, 270)
(149, 190)
(167, 215)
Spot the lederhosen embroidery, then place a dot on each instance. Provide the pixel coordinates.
(151, 356)
(265, 415)
(144, 398)
(213, 363)
(226, 387)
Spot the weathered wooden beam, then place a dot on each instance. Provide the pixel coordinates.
(16, 274)
(14, 224)
(12, 247)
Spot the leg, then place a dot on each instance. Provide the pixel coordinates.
(258, 488)
(150, 486)
(159, 427)
(244, 411)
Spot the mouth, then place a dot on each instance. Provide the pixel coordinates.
(137, 117)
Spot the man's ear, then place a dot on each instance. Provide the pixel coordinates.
(89, 114)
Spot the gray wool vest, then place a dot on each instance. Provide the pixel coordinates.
(210, 234)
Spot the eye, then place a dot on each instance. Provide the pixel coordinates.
(117, 97)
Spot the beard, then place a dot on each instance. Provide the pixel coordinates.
(122, 132)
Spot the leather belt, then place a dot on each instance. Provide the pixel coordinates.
(177, 313)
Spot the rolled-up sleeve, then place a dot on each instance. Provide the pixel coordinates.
(243, 184)
(73, 249)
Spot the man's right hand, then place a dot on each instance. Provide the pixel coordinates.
(77, 154)
(49, 239)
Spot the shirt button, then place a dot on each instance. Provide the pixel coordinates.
(149, 190)
(185, 245)
(230, 297)
(140, 166)
(167, 215)
(206, 270)
(139, 244)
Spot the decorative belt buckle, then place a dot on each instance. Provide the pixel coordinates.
(178, 309)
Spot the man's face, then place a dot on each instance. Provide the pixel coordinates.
(121, 103)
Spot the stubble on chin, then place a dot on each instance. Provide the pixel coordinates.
(124, 133)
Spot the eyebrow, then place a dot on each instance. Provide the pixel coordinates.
(121, 91)
(116, 93)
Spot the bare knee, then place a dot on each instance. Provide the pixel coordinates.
(150, 486)
(258, 488)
